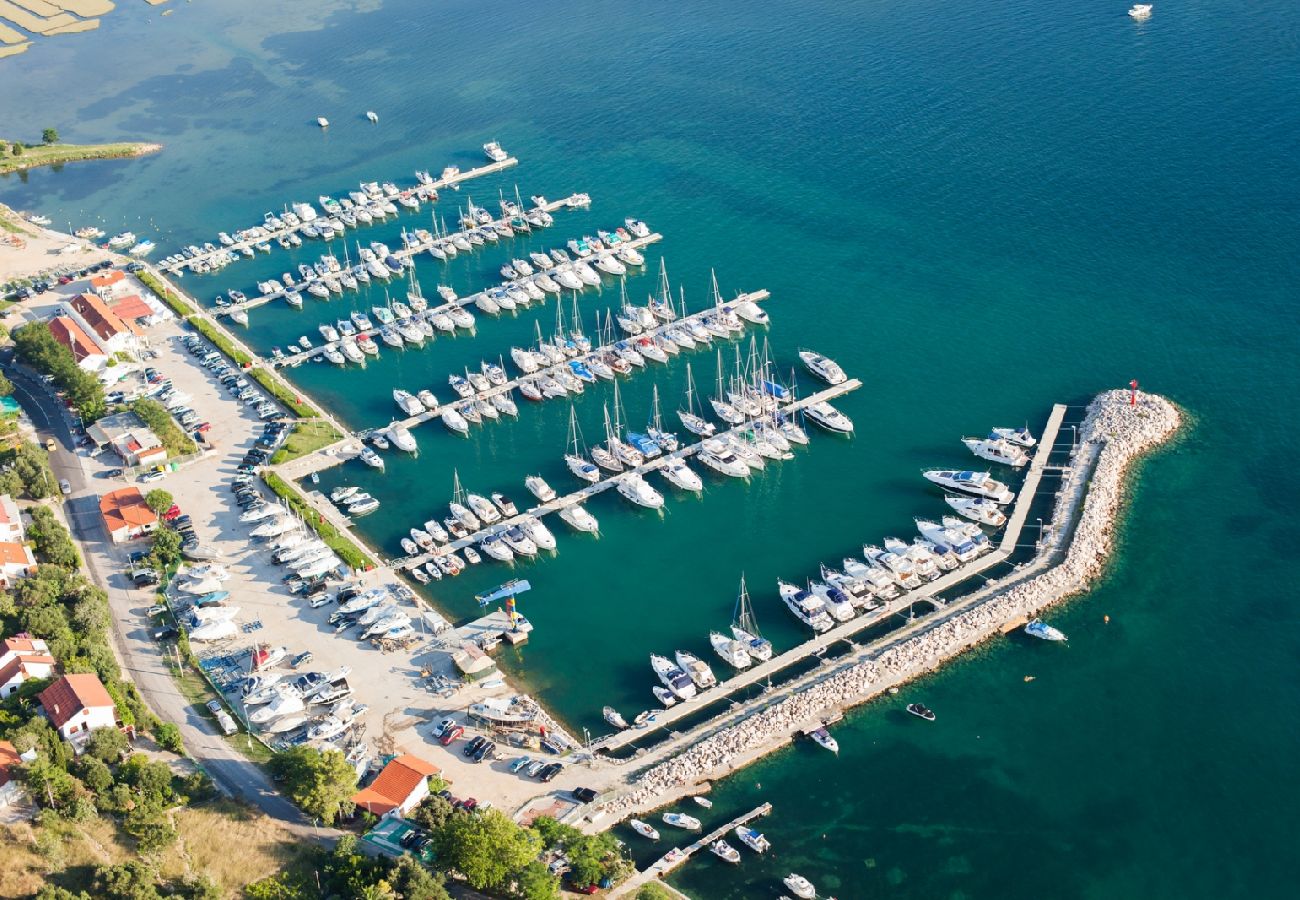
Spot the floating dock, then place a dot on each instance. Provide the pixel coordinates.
(590, 490)
(271, 235)
(760, 672)
(678, 856)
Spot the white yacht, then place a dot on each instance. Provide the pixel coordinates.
(823, 738)
(682, 820)
(1021, 437)
(731, 650)
(829, 417)
(977, 509)
(1041, 630)
(401, 437)
(636, 489)
(980, 484)
(484, 508)
(997, 450)
(673, 677)
(538, 487)
(799, 886)
(454, 421)
(752, 839)
(578, 517)
(697, 669)
(721, 458)
(823, 367)
(646, 831)
(971, 531)
(808, 609)
(837, 602)
(538, 532)
(900, 567)
(492, 150)
(725, 851)
(683, 476)
(955, 540)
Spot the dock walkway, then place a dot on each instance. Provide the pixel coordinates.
(846, 630)
(590, 490)
(269, 235)
(677, 857)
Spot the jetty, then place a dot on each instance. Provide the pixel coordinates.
(268, 234)
(678, 856)
(551, 370)
(587, 491)
(762, 672)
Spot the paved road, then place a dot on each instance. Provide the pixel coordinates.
(142, 658)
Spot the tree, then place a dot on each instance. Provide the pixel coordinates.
(107, 745)
(653, 891)
(166, 548)
(535, 882)
(6, 386)
(158, 500)
(53, 543)
(319, 783)
(412, 881)
(94, 774)
(18, 149)
(131, 880)
(168, 736)
(50, 136)
(486, 848)
(432, 813)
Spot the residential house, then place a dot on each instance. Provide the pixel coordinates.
(22, 645)
(87, 354)
(110, 332)
(127, 434)
(21, 669)
(16, 561)
(11, 520)
(398, 789)
(109, 285)
(125, 515)
(11, 789)
(78, 704)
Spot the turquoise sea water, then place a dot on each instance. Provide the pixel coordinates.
(979, 209)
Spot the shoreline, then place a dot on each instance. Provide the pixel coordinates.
(1112, 438)
(76, 153)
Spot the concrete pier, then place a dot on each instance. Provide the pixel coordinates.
(270, 235)
(761, 672)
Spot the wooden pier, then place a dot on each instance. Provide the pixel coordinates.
(272, 235)
(509, 386)
(677, 857)
(817, 645)
(590, 490)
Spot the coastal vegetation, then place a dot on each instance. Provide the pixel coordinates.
(16, 155)
(25, 472)
(307, 436)
(161, 423)
(36, 346)
(343, 546)
(320, 783)
(281, 392)
(220, 341)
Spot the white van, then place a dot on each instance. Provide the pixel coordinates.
(226, 724)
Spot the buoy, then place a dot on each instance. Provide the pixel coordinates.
(1106, 619)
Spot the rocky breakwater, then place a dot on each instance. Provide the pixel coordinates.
(1114, 433)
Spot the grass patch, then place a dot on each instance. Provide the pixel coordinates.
(220, 341)
(348, 551)
(307, 437)
(52, 154)
(166, 295)
(289, 398)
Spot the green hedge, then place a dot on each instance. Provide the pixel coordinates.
(166, 295)
(349, 552)
(278, 390)
(222, 343)
(161, 423)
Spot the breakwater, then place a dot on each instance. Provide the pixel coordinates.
(1113, 435)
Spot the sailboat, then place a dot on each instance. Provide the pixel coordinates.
(603, 457)
(745, 630)
(458, 505)
(576, 459)
(725, 411)
(624, 452)
(666, 440)
(692, 422)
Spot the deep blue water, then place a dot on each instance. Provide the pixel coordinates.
(979, 209)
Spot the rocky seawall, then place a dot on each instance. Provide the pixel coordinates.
(1113, 435)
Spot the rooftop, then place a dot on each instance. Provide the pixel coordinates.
(71, 335)
(394, 784)
(71, 694)
(125, 507)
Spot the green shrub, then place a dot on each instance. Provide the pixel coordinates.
(277, 389)
(220, 341)
(161, 423)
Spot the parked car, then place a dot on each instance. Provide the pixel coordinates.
(442, 727)
(584, 795)
(449, 737)
(214, 706)
(319, 601)
(472, 747)
(549, 773)
(157, 610)
(163, 634)
(65, 487)
(150, 477)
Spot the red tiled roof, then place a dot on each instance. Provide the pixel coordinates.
(9, 761)
(12, 553)
(107, 280)
(125, 508)
(71, 694)
(20, 663)
(71, 335)
(102, 320)
(390, 790)
(22, 644)
(130, 308)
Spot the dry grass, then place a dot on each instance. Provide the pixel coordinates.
(225, 841)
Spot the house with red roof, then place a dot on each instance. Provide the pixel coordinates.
(11, 520)
(110, 332)
(110, 284)
(88, 354)
(78, 704)
(398, 789)
(133, 441)
(126, 516)
(16, 561)
(11, 789)
(22, 669)
(22, 645)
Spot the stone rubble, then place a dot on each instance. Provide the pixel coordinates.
(1113, 432)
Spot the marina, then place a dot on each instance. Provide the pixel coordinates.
(266, 234)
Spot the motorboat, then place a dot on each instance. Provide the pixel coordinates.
(970, 531)
(538, 487)
(1021, 437)
(725, 851)
(494, 546)
(484, 508)
(799, 886)
(683, 476)
(978, 509)
(719, 456)
(953, 539)
(697, 669)
(402, 438)
(537, 532)
(517, 541)
(837, 602)
(807, 609)
(1040, 629)
(493, 151)
(1140, 11)
(371, 458)
(664, 696)
(823, 738)
(921, 711)
(731, 650)
(752, 839)
(997, 450)
(979, 484)
(673, 677)
(285, 704)
(454, 421)
(682, 820)
(636, 489)
(578, 517)
(828, 417)
(823, 367)
(900, 567)
(646, 831)
(613, 717)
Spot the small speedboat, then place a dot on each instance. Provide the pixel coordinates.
(823, 738)
(725, 851)
(682, 820)
(1040, 629)
(664, 696)
(799, 886)
(921, 711)
(539, 488)
(646, 831)
(703, 801)
(614, 717)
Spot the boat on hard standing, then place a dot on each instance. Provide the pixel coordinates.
(1041, 630)
(979, 484)
(646, 831)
